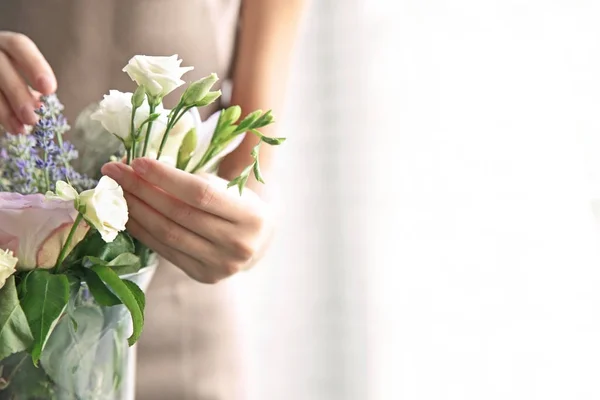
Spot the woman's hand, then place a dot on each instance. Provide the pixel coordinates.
(194, 221)
(21, 66)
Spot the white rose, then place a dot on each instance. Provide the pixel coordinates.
(159, 75)
(114, 113)
(8, 263)
(105, 208)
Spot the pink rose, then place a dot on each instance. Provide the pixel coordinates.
(36, 228)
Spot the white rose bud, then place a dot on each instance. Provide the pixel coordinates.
(8, 263)
(159, 75)
(105, 208)
(64, 191)
(114, 113)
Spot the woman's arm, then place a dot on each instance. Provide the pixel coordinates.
(264, 51)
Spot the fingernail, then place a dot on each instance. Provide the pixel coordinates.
(139, 166)
(28, 115)
(113, 170)
(45, 84)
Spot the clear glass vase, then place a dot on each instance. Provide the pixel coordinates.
(87, 356)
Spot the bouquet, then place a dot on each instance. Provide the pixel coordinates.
(72, 279)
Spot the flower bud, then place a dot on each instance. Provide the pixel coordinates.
(187, 149)
(209, 98)
(198, 90)
(264, 120)
(231, 115)
(138, 97)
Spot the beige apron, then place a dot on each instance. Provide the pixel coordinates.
(188, 349)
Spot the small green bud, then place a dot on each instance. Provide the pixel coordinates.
(257, 173)
(138, 97)
(273, 141)
(198, 90)
(231, 115)
(241, 180)
(209, 98)
(153, 117)
(187, 149)
(264, 120)
(154, 101)
(249, 120)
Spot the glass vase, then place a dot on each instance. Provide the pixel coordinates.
(87, 356)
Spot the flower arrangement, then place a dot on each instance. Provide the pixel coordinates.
(63, 235)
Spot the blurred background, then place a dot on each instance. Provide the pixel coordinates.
(437, 237)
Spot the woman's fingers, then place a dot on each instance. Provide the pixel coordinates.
(195, 269)
(21, 63)
(169, 232)
(201, 222)
(29, 60)
(210, 195)
(16, 91)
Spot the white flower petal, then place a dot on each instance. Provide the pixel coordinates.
(105, 208)
(8, 264)
(159, 75)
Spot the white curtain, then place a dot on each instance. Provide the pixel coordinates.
(437, 238)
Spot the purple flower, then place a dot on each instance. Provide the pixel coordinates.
(33, 163)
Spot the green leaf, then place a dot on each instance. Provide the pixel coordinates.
(242, 179)
(15, 335)
(138, 293)
(126, 263)
(248, 121)
(256, 167)
(44, 302)
(273, 141)
(123, 291)
(263, 120)
(94, 246)
(257, 173)
(99, 290)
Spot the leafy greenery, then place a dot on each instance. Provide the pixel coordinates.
(94, 246)
(45, 300)
(15, 335)
(132, 299)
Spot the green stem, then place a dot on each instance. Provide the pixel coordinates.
(202, 161)
(147, 138)
(170, 124)
(211, 148)
(65, 248)
(133, 137)
(46, 172)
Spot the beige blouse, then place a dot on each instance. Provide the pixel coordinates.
(188, 348)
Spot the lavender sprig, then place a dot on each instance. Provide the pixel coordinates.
(33, 163)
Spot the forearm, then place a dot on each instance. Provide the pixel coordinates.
(264, 51)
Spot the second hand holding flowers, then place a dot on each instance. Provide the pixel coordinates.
(185, 213)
